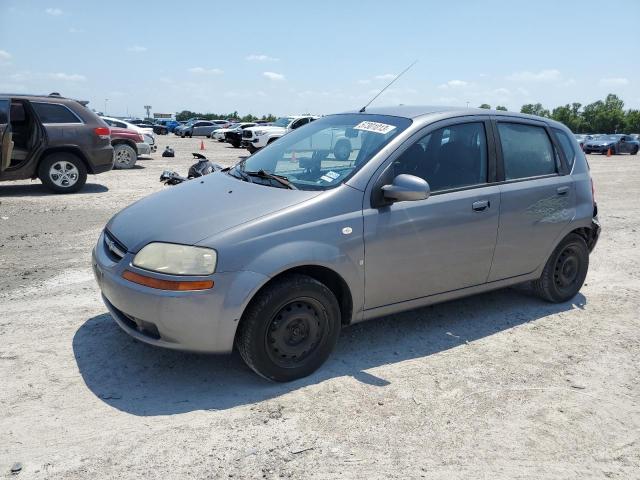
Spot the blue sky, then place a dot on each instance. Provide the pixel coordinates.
(291, 57)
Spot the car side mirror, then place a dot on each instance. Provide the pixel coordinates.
(406, 188)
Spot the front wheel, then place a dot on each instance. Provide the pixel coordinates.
(124, 156)
(565, 271)
(635, 151)
(289, 329)
(63, 172)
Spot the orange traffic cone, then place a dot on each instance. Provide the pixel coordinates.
(201, 144)
(609, 152)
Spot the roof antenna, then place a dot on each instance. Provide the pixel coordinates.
(388, 85)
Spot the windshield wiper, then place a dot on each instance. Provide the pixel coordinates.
(240, 173)
(272, 176)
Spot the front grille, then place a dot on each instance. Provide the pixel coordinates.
(116, 249)
(247, 134)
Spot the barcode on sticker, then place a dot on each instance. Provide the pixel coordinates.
(375, 127)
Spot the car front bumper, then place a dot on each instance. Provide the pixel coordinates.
(143, 148)
(596, 148)
(197, 321)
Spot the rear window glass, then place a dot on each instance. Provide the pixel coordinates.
(54, 113)
(526, 150)
(566, 145)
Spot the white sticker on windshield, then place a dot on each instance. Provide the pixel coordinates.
(332, 175)
(375, 127)
(326, 178)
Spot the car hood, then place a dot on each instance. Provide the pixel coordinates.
(598, 143)
(198, 209)
(268, 129)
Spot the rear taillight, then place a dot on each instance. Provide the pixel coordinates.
(103, 132)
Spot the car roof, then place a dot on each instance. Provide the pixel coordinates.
(30, 96)
(415, 111)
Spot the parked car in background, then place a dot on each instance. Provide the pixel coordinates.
(233, 135)
(255, 138)
(616, 143)
(581, 138)
(183, 125)
(431, 220)
(169, 125)
(218, 133)
(128, 145)
(53, 138)
(202, 128)
(145, 131)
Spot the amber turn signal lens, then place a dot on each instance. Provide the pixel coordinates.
(167, 284)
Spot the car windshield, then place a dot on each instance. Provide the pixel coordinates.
(324, 153)
(282, 122)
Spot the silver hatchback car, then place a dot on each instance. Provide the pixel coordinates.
(422, 205)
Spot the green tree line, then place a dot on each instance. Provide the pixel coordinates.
(602, 116)
(187, 114)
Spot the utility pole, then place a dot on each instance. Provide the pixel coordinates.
(148, 109)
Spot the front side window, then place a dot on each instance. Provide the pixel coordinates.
(566, 145)
(323, 154)
(4, 112)
(526, 151)
(54, 113)
(450, 157)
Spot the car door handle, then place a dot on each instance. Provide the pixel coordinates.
(480, 205)
(562, 190)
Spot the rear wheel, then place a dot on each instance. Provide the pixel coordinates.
(565, 271)
(635, 150)
(63, 172)
(124, 156)
(289, 329)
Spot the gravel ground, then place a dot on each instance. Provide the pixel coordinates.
(497, 386)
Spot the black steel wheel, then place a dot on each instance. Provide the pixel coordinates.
(565, 271)
(289, 329)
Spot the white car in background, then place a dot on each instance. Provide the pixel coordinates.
(146, 132)
(218, 134)
(254, 138)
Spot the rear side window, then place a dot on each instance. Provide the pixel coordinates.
(526, 150)
(55, 113)
(566, 145)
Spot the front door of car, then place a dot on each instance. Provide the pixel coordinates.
(625, 144)
(6, 135)
(419, 248)
(538, 197)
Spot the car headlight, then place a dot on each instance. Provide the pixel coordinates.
(176, 259)
(259, 132)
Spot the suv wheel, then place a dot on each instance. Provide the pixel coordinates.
(289, 329)
(635, 150)
(62, 172)
(565, 271)
(124, 156)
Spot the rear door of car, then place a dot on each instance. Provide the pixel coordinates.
(6, 136)
(537, 195)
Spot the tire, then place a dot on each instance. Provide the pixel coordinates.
(635, 151)
(62, 172)
(565, 271)
(342, 150)
(252, 149)
(289, 329)
(235, 144)
(124, 156)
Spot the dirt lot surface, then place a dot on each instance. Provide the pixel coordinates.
(498, 386)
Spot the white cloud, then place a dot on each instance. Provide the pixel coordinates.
(75, 30)
(386, 76)
(549, 75)
(208, 71)
(54, 12)
(254, 57)
(5, 57)
(273, 76)
(67, 77)
(137, 49)
(364, 82)
(454, 84)
(502, 91)
(614, 81)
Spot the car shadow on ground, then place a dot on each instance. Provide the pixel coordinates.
(144, 380)
(39, 190)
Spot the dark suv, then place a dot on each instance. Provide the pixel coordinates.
(53, 138)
